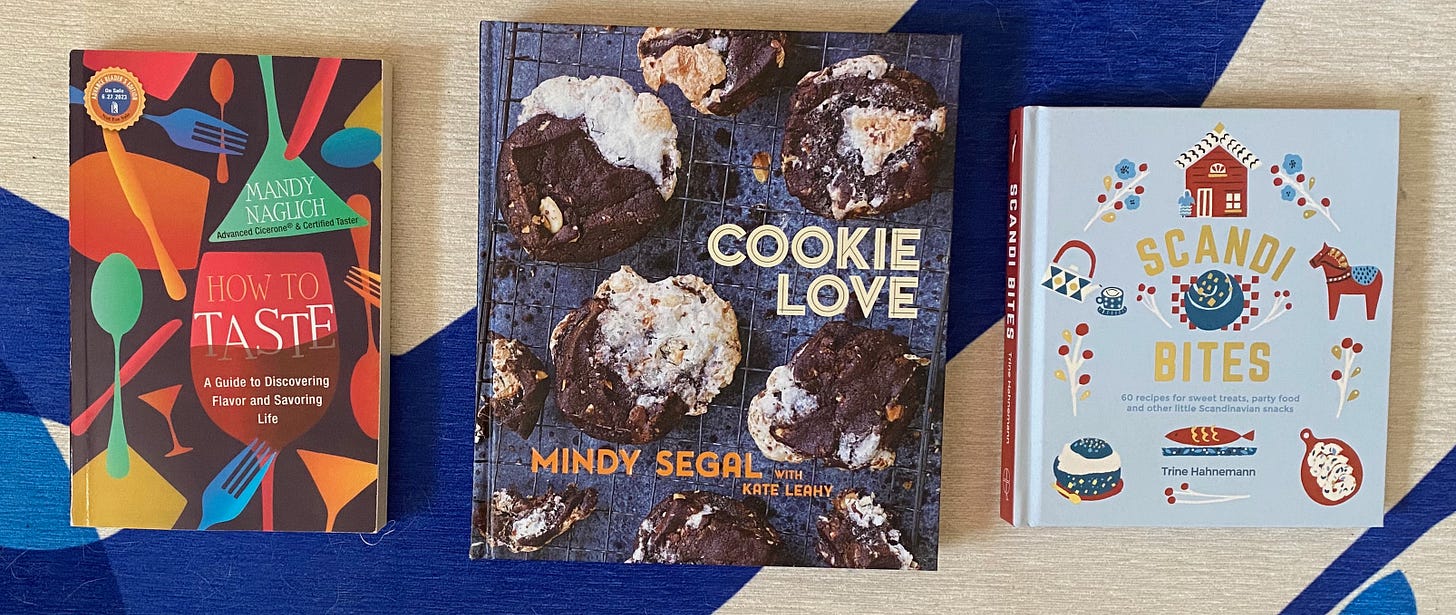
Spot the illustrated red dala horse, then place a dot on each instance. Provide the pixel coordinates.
(1341, 279)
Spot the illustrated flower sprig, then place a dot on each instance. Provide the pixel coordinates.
(1189, 496)
(1074, 356)
(1281, 304)
(1147, 297)
(1296, 188)
(1346, 350)
(1120, 193)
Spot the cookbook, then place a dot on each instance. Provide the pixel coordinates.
(712, 295)
(1198, 324)
(229, 291)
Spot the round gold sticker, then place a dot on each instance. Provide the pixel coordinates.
(114, 98)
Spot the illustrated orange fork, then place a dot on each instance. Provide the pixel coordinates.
(131, 186)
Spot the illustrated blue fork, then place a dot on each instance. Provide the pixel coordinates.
(192, 129)
(228, 494)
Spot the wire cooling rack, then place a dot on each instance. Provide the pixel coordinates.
(524, 299)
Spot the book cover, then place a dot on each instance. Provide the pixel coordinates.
(1198, 316)
(712, 289)
(229, 291)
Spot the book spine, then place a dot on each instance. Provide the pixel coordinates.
(1012, 344)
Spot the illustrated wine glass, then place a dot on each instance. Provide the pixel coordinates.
(162, 400)
(264, 349)
(339, 480)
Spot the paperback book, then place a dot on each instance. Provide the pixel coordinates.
(229, 291)
(712, 295)
(1198, 322)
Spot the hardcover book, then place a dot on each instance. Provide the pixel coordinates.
(229, 291)
(712, 293)
(1198, 316)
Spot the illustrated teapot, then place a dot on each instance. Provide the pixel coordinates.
(1065, 280)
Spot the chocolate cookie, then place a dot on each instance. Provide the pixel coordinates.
(524, 524)
(846, 397)
(518, 387)
(858, 533)
(862, 139)
(639, 356)
(702, 527)
(719, 71)
(589, 169)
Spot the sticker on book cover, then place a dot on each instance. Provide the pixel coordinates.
(114, 98)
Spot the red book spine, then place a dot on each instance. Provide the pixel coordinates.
(1013, 274)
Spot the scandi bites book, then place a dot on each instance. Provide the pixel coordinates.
(229, 291)
(713, 282)
(1198, 324)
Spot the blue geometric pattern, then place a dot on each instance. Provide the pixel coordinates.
(1163, 54)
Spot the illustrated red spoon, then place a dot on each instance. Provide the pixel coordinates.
(364, 383)
(221, 83)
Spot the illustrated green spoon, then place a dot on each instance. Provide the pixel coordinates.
(116, 302)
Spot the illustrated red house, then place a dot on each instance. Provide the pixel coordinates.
(1216, 176)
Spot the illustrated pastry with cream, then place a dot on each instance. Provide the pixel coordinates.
(1087, 469)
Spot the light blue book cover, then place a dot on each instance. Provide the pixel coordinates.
(1199, 316)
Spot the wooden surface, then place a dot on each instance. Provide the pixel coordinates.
(1332, 54)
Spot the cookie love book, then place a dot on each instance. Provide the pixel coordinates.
(712, 295)
(1198, 324)
(229, 291)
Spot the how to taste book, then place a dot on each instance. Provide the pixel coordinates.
(1198, 322)
(229, 291)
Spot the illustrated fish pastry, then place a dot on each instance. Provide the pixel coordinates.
(1207, 436)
